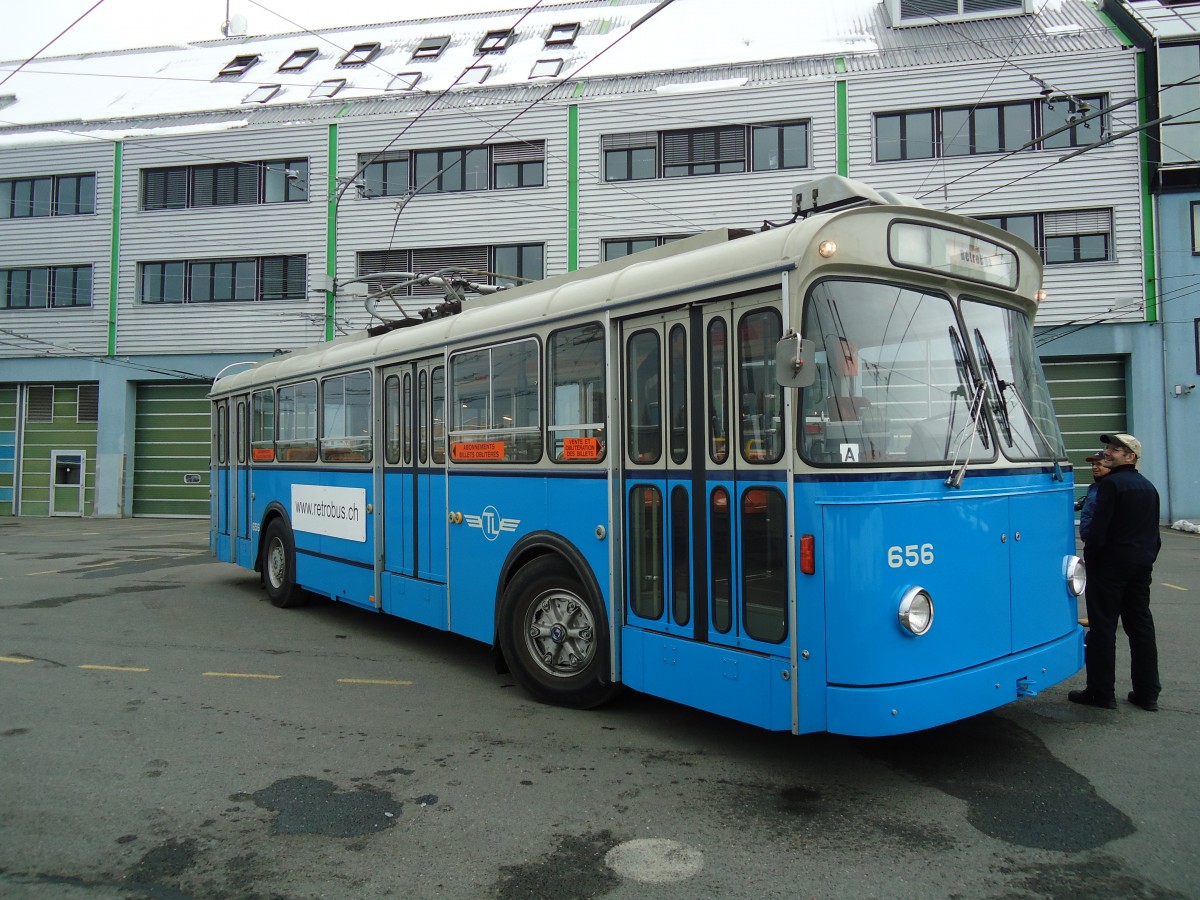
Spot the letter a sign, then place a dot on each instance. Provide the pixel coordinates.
(849, 452)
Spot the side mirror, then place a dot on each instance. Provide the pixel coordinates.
(795, 361)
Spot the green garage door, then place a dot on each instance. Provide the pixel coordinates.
(1089, 400)
(170, 468)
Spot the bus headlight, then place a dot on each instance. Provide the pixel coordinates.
(916, 611)
(1076, 575)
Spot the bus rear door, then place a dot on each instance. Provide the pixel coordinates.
(414, 492)
(704, 471)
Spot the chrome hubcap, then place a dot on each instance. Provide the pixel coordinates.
(276, 563)
(560, 633)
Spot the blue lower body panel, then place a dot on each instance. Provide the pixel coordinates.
(902, 708)
(747, 687)
(418, 601)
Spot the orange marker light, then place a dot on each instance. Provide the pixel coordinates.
(808, 554)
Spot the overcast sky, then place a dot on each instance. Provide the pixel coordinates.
(116, 24)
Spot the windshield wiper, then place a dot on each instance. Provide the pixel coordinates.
(999, 407)
(959, 472)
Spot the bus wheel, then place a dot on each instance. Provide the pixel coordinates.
(279, 566)
(553, 637)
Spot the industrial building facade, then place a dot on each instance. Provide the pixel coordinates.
(188, 209)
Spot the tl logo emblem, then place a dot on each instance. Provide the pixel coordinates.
(490, 523)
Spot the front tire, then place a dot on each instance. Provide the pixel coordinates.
(279, 566)
(554, 637)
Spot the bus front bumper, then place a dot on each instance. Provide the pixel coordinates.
(903, 708)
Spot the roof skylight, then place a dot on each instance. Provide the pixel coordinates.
(298, 60)
(546, 68)
(475, 75)
(239, 65)
(360, 54)
(431, 48)
(495, 41)
(404, 81)
(328, 88)
(562, 35)
(262, 93)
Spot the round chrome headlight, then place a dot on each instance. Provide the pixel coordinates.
(916, 611)
(1076, 575)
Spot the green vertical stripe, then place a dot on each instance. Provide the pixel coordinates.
(114, 255)
(331, 229)
(843, 137)
(572, 187)
(1147, 201)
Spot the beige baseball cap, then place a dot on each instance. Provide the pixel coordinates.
(1128, 441)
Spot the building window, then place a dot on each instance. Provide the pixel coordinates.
(39, 404)
(385, 174)
(705, 151)
(328, 88)
(431, 48)
(448, 171)
(404, 81)
(906, 135)
(360, 55)
(48, 195)
(1196, 228)
(225, 184)
(937, 12)
(262, 93)
(1179, 82)
(223, 280)
(518, 165)
(495, 41)
(510, 264)
(516, 264)
(630, 157)
(1076, 236)
(238, 66)
(299, 60)
(783, 146)
(562, 35)
(55, 287)
(618, 247)
(993, 128)
(546, 68)
(87, 403)
(475, 75)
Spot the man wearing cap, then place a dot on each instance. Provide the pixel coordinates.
(1121, 546)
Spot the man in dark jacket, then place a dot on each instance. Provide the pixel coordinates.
(1087, 505)
(1120, 550)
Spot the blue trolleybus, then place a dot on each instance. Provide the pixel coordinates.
(807, 478)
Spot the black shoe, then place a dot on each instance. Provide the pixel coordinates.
(1147, 705)
(1087, 698)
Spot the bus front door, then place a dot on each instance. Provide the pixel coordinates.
(414, 492)
(704, 473)
(239, 481)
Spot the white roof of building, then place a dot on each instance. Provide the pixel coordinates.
(687, 45)
(1168, 23)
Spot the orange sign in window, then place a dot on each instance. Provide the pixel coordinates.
(263, 454)
(483, 450)
(581, 448)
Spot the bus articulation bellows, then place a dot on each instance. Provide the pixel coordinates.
(807, 478)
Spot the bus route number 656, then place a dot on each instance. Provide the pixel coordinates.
(910, 555)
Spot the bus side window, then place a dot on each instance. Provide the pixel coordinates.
(644, 423)
(262, 426)
(762, 406)
(437, 414)
(221, 433)
(577, 396)
(298, 422)
(346, 419)
(392, 419)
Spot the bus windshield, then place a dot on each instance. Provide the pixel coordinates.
(1018, 400)
(894, 382)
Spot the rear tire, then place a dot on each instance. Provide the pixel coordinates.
(279, 566)
(554, 637)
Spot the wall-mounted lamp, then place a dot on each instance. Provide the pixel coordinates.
(1184, 389)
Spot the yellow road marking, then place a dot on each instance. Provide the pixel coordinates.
(15, 659)
(115, 668)
(1175, 586)
(370, 681)
(239, 675)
